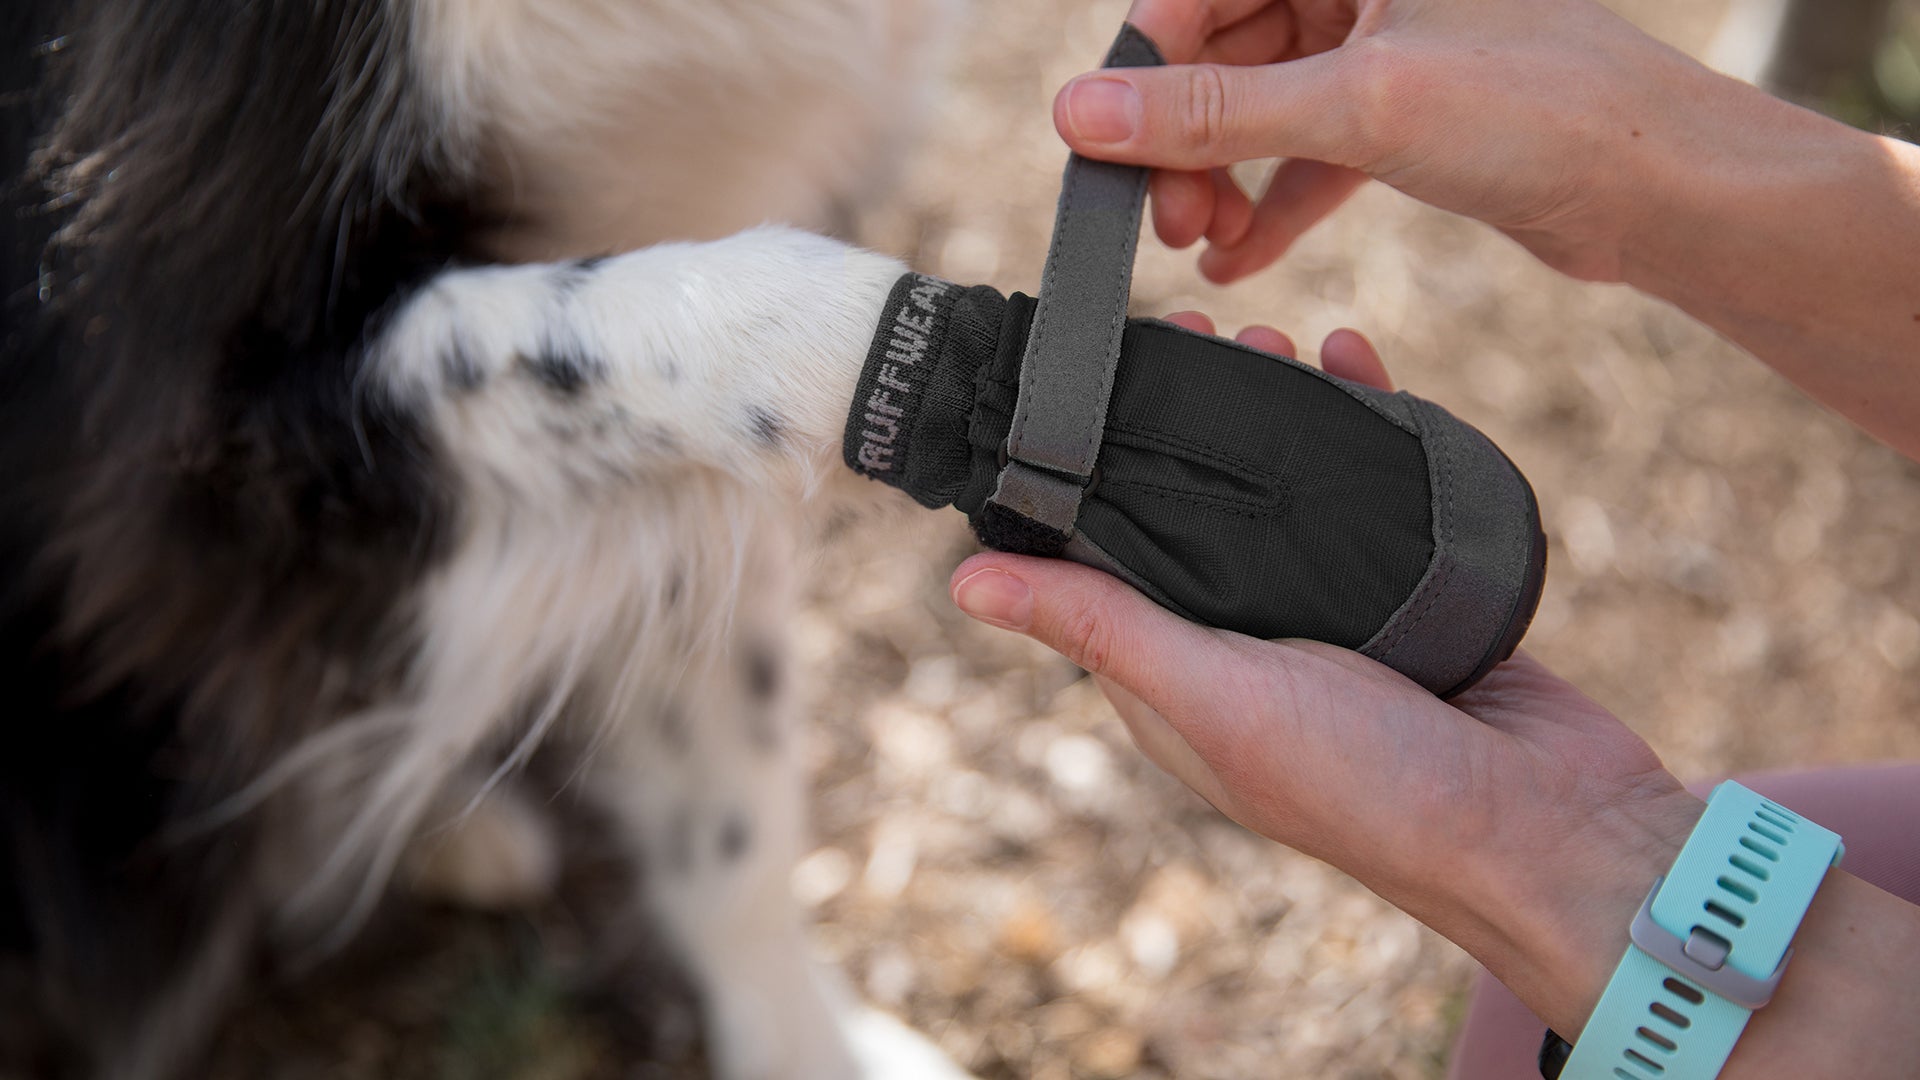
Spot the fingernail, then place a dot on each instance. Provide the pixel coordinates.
(1103, 110)
(997, 597)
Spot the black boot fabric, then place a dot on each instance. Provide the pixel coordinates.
(1243, 490)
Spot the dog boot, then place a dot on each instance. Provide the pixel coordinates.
(1239, 489)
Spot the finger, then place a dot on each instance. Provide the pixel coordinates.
(1266, 339)
(1183, 206)
(1180, 28)
(1268, 35)
(1189, 205)
(1349, 355)
(1097, 622)
(1195, 321)
(1232, 210)
(1301, 193)
(1199, 116)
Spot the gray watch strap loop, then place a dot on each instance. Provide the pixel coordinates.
(1066, 374)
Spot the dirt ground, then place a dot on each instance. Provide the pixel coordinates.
(1732, 571)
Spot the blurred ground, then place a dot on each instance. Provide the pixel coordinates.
(1732, 571)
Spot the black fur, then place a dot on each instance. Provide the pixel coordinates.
(562, 368)
(768, 426)
(763, 671)
(461, 369)
(209, 203)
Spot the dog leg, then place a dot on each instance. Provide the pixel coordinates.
(599, 419)
(634, 438)
(706, 774)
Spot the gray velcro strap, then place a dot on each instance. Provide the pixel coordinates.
(1066, 375)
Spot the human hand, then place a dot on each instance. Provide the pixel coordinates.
(1345, 353)
(1515, 819)
(1548, 119)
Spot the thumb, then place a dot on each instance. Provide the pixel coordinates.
(1096, 621)
(1202, 116)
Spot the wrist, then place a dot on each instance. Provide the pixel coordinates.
(1550, 917)
(1843, 1008)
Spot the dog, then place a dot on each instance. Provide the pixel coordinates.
(394, 389)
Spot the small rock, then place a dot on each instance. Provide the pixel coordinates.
(1897, 635)
(1113, 1052)
(1079, 764)
(1152, 942)
(822, 876)
(891, 976)
(1030, 934)
(896, 852)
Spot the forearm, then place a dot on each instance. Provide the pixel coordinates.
(1554, 926)
(1799, 239)
(1796, 237)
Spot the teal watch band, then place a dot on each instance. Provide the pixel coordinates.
(1709, 944)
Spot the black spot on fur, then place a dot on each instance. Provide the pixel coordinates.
(461, 369)
(572, 274)
(762, 669)
(563, 368)
(736, 837)
(768, 426)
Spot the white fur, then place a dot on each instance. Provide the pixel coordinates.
(625, 544)
(689, 339)
(610, 124)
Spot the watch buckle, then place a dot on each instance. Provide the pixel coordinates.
(1702, 957)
